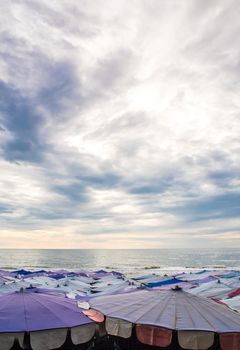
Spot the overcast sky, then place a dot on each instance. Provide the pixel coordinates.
(119, 124)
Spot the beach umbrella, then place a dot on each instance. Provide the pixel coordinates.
(22, 272)
(42, 319)
(10, 287)
(41, 280)
(230, 274)
(35, 273)
(157, 313)
(231, 282)
(196, 276)
(233, 303)
(155, 279)
(183, 285)
(214, 289)
(167, 282)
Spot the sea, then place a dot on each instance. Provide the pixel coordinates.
(128, 261)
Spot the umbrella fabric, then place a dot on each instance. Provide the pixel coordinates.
(155, 279)
(54, 291)
(230, 274)
(7, 273)
(34, 273)
(183, 285)
(26, 312)
(164, 283)
(51, 339)
(56, 276)
(204, 280)
(82, 334)
(94, 315)
(11, 287)
(140, 278)
(119, 328)
(7, 340)
(200, 272)
(22, 272)
(154, 336)
(212, 289)
(195, 340)
(234, 294)
(230, 341)
(233, 303)
(231, 282)
(110, 288)
(195, 276)
(169, 309)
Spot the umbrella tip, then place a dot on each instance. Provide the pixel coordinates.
(177, 288)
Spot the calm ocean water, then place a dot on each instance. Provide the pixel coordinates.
(157, 261)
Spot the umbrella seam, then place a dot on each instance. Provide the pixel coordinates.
(66, 326)
(208, 304)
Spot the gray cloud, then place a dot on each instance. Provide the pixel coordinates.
(212, 208)
(23, 122)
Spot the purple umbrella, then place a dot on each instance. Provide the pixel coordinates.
(46, 317)
(22, 272)
(56, 276)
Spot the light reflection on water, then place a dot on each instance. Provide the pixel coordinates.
(122, 260)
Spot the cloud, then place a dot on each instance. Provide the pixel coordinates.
(23, 124)
(120, 123)
(213, 207)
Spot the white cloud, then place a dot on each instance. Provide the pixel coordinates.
(140, 108)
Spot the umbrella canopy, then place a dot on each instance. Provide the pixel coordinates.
(233, 303)
(39, 321)
(172, 309)
(11, 287)
(27, 312)
(214, 289)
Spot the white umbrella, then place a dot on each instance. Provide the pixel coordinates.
(156, 313)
